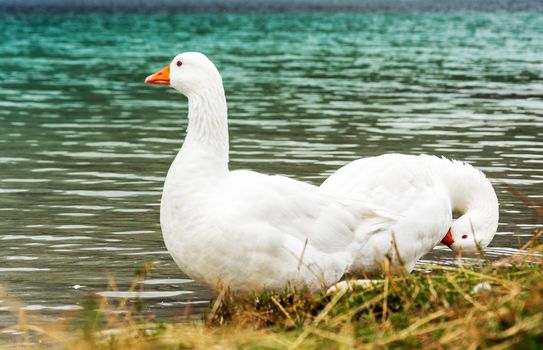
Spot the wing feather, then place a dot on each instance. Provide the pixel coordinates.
(281, 219)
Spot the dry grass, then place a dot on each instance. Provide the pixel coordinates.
(497, 306)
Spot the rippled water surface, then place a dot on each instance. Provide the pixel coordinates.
(85, 145)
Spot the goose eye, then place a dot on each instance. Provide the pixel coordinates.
(179, 63)
(464, 236)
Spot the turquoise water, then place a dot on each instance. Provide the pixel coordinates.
(85, 145)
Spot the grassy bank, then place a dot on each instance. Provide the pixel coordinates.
(498, 306)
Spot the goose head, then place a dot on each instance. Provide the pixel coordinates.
(190, 73)
(471, 233)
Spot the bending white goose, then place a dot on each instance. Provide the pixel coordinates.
(252, 231)
(391, 181)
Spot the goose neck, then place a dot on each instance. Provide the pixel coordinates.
(471, 193)
(207, 131)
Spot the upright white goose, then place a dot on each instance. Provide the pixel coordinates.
(252, 231)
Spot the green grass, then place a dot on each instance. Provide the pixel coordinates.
(497, 306)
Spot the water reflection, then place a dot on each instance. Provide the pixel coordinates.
(85, 145)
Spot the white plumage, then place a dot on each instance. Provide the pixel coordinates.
(252, 231)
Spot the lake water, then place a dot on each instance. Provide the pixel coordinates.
(85, 145)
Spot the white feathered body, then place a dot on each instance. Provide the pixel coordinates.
(252, 231)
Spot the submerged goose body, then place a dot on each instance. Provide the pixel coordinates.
(252, 231)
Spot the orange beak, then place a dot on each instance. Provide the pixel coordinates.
(162, 77)
(448, 239)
